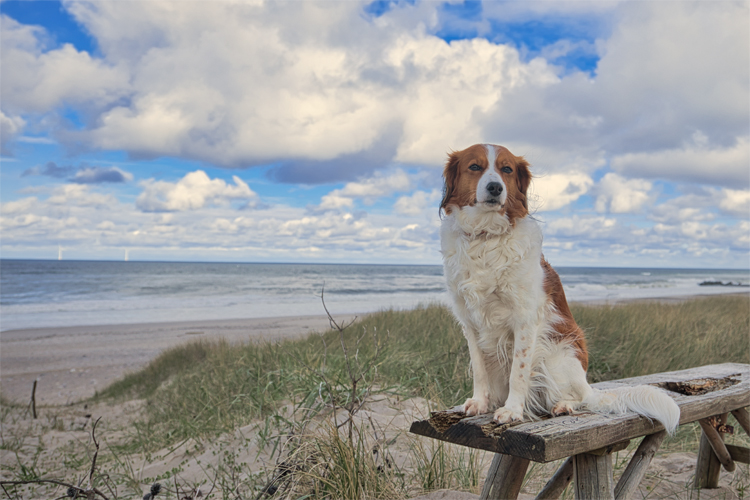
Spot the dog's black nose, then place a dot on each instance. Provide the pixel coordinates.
(495, 188)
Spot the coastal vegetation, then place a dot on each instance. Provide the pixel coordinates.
(306, 407)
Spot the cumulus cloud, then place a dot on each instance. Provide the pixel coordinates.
(43, 80)
(697, 206)
(9, 128)
(554, 191)
(374, 90)
(654, 86)
(735, 202)
(166, 85)
(695, 161)
(618, 195)
(194, 191)
(367, 190)
(418, 202)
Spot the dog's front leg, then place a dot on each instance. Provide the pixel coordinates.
(524, 342)
(480, 400)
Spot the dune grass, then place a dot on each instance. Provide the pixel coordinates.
(215, 387)
(650, 337)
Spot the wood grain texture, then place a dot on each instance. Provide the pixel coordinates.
(708, 467)
(739, 453)
(555, 438)
(557, 483)
(743, 418)
(716, 440)
(593, 476)
(504, 478)
(638, 465)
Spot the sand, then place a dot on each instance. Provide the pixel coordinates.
(72, 363)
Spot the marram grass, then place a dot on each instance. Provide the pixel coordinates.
(202, 389)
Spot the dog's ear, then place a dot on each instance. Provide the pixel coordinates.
(523, 178)
(450, 179)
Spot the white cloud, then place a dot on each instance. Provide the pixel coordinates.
(43, 80)
(418, 202)
(194, 191)
(697, 206)
(655, 85)
(584, 227)
(736, 202)
(245, 84)
(618, 195)
(554, 191)
(693, 162)
(367, 190)
(10, 126)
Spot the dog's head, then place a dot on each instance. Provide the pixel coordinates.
(488, 177)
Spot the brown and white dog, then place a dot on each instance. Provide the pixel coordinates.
(528, 355)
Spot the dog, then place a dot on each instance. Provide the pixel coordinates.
(528, 355)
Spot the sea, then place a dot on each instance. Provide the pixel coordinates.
(59, 293)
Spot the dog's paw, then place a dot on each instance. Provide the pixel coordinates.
(506, 415)
(562, 408)
(476, 406)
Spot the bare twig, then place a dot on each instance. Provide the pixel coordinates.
(73, 491)
(32, 403)
(96, 453)
(331, 321)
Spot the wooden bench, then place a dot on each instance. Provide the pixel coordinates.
(706, 394)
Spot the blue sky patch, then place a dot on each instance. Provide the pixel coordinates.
(53, 17)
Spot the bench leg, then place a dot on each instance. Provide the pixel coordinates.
(557, 484)
(505, 477)
(593, 476)
(708, 467)
(636, 469)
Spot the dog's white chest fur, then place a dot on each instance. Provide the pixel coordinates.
(493, 272)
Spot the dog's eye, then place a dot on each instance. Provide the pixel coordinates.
(506, 170)
(475, 167)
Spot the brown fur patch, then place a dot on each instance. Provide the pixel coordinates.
(566, 330)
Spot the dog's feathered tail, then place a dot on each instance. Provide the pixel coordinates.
(642, 399)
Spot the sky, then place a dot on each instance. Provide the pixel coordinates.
(317, 131)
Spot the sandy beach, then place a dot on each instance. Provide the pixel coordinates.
(72, 363)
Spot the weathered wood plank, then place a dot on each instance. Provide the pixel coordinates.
(561, 437)
(638, 465)
(716, 440)
(743, 418)
(739, 453)
(557, 484)
(708, 467)
(593, 476)
(504, 478)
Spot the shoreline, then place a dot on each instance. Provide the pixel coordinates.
(71, 363)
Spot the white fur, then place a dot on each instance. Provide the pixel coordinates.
(490, 175)
(496, 283)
